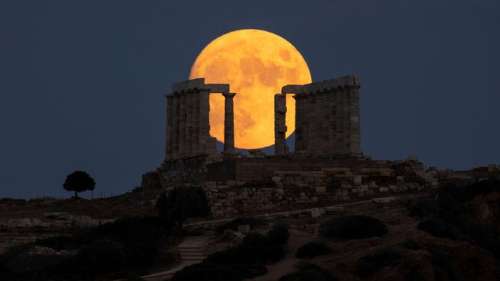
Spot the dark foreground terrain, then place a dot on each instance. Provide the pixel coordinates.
(450, 234)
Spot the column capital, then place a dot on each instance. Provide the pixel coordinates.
(229, 95)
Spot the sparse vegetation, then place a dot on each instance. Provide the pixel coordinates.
(439, 228)
(278, 235)
(206, 271)
(453, 217)
(124, 245)
(375, 262)
(353, 227)
(309, 272)
(182, 203)
(255, 248)
(247, 260)
(313, 249)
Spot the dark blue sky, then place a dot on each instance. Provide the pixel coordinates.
(82, 82)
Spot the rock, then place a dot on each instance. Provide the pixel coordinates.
(384, 200)
(357, 180)
(384, 189)
(317, 212)
(244, 228)
(320, 189)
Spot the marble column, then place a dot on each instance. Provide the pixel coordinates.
(169, 128)
(280, 124)
(196, 122)
(175, 126)
(189, 125)
(228, 123)
(355, 147)
(299, 123)
(204, 126)
(182, 125)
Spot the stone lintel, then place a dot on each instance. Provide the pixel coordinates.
(349, 81)
(188, 85)
(217, 88)
(198, 84)
(228, 94)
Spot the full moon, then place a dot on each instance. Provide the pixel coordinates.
(256, 64)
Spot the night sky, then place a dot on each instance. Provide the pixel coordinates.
(82, 82)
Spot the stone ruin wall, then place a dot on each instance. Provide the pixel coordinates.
(327, 118)
(292, 190)
(187, 118)
(327, 167)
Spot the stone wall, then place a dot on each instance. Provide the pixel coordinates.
(292, 190)
(263, 169)
(327, 118)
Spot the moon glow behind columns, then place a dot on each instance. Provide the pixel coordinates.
(256, 64)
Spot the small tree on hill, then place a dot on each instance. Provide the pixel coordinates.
(182, 203)
(79, 181)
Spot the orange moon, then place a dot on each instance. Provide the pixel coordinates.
(256, 64)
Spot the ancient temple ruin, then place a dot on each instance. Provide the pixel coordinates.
(326, 164)
(327, 119)
(188, 126)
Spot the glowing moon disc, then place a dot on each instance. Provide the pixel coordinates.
(256, 64)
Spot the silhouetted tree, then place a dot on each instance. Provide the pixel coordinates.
(79, 181)
(181, 203)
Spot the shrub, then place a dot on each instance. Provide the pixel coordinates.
(422, 208)
(309, 272)
(312, 249)
(101, 256)
(139, 236)
(59, 243)
(353, 227)
(373, 263)
(450, 217)
(439, 228)
(410, 245)
(29, 258)
(444, 265)
(255, 248)
(278, 234)
(182, 203)
(486, 236)
(121, 245)
(218, 272)
(243, 261)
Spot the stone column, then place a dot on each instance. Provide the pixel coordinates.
(299, 123)
(189, 124)
(175, 127)
(169, 128)
(355, 137)
(228, 123)
(196, 123)
(280, 124)
(182, 125)
(204, 119)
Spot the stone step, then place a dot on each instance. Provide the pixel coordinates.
(197, 252)
(190, 249)
(185, 253)
(193, 249)
(197, 246)
(200, 256)
(194, 260)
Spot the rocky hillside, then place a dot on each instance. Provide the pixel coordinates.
(450, 234)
